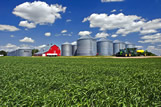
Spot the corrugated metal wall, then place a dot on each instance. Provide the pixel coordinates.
(20, 52)
(104, 47)
(86, 46)
(66, 49)
(118, 46)
(74, 50)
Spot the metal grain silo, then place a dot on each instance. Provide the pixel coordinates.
(74, 50)
(104, 47)
(117, 46)
(86, 46)
(129, 45)
(66, 49)
(24, 52)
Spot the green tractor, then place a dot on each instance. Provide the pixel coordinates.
(128, 52)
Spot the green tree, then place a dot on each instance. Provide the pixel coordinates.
(34, 51)
(3, 53)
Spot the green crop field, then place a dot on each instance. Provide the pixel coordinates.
(87, 82)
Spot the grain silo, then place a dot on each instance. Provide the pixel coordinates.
(129, 45)
(24, 52)
(104, 47)
(21, 52)
(74, 50)
(86, 46)
(117, 46)
(66, 49)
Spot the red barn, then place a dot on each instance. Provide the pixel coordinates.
(49, 51)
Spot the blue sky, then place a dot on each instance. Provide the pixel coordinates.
(30, 23)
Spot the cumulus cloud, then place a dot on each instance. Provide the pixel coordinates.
(123, 24)
(149, 31)
(39, 12)
(9, 47)
(8, 28)
(84, 33)
(112, 0)
(64, 34)
(27, 24)
(139, 47)
(114, 36)
(12, 36)
(69, 34)
(115, 41)
(114, 10)
(64, 31)
(68, 20)
(153, 24)
(156, 38)
(102, 35)
(40, 47)
(74, 43)
(27, 40)
(47, 34)
(154, 50)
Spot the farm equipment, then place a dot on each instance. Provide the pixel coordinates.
(128, 52)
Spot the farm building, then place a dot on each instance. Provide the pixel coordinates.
(50, 50)
(20, 52)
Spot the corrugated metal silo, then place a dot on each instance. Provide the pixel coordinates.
(21, 52)
(117, 46)
(94, 47)
(86, 46)
(104, 47)
(66, 49)
(74, 50)
(24, 52)
(129, 45)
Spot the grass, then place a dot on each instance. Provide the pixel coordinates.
(96, 82)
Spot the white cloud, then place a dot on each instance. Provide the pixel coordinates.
(123, 24)
(64, 34)
(139, 47)
(156, 38)
(154, 50)
(27, 39)
(39, 12)
(120, 10)
(12, 36)
(112, 0)
(40, 47)
(84, 33)
(143, 32)
(74, 43)
(27, 24)
(152, 25)
(9, 47)
(67, 34)
(47, 34)
(64, 31)
(159, 45)
(68, 20)
(114, 36)
(8, 28)
(102, 35)
(114, 10)
(115, 41)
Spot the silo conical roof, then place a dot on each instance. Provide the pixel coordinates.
(66, 43)
(104, 40)
(86, 37)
